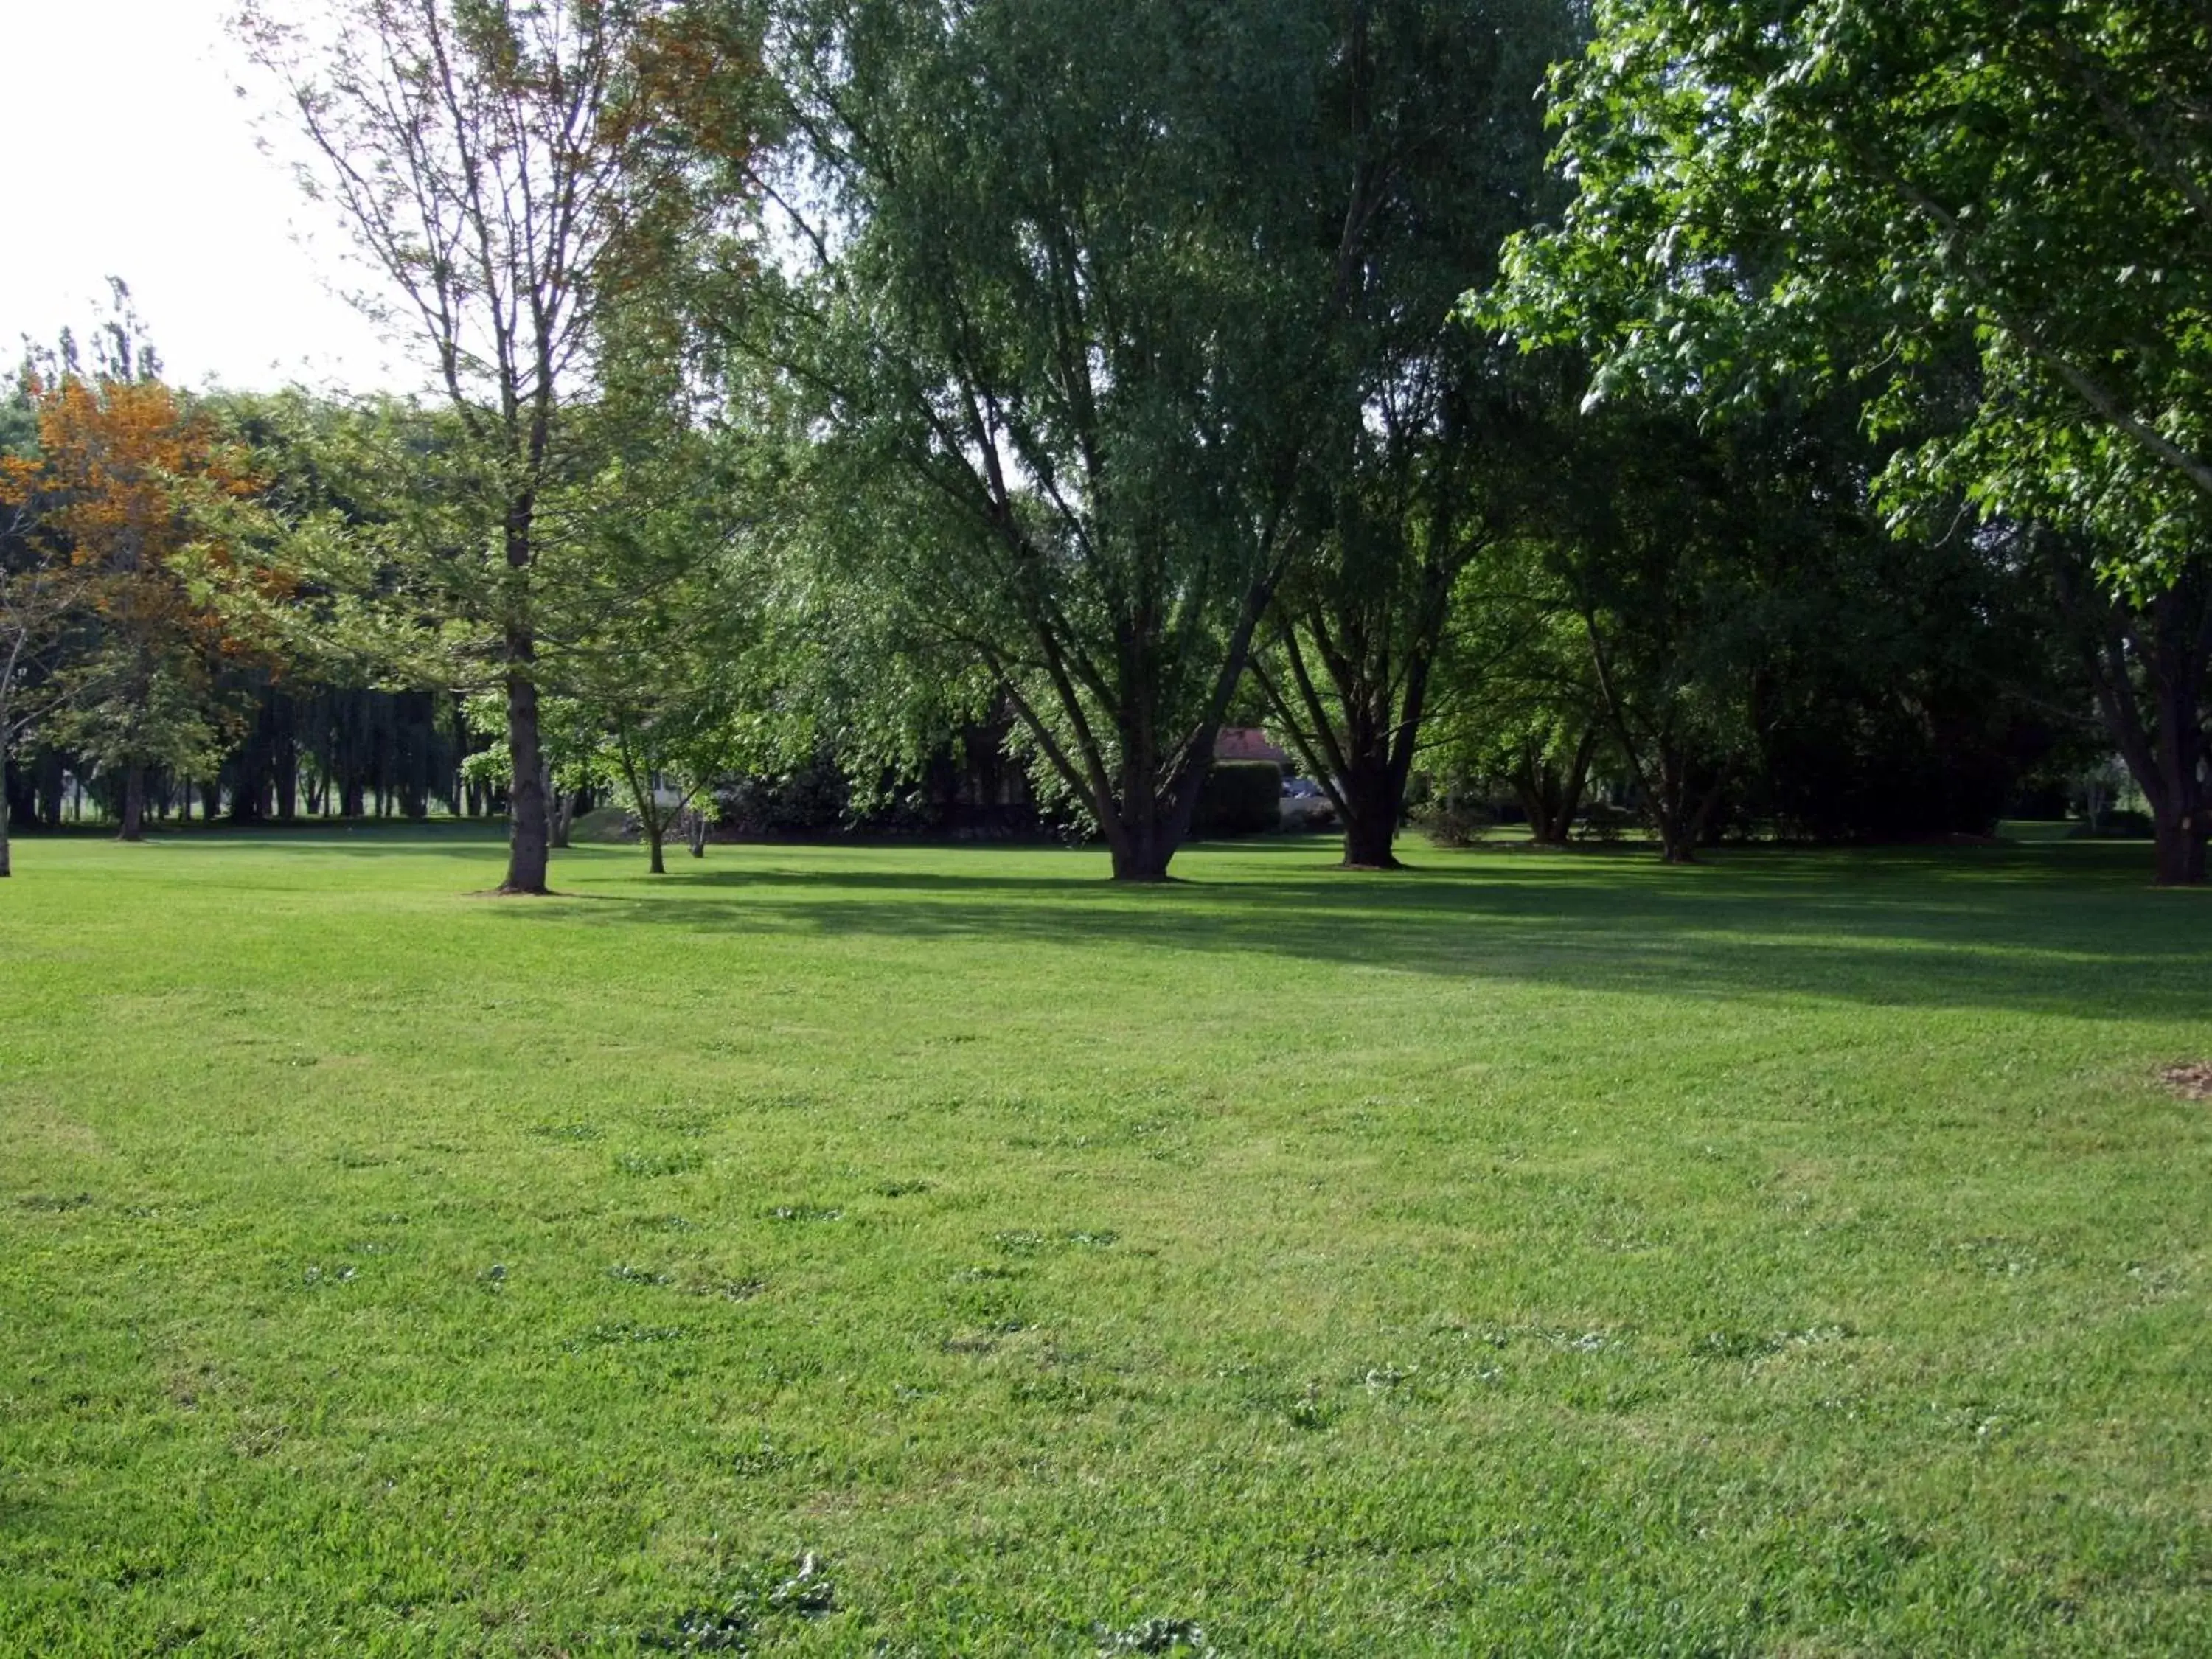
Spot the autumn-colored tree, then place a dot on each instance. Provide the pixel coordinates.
(123, 505)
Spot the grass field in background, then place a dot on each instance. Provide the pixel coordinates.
(859, 1250)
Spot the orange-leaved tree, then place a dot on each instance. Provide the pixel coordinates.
(129, 504)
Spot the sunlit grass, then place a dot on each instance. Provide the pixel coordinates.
(859, 1249)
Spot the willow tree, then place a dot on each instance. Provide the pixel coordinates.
(1067, 290)
(504, 168)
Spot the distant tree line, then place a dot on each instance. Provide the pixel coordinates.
(888, 409)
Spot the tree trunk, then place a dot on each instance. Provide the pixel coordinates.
(697, 830)
(7, 869)
(1370, 820)
(1141, 852)
(2156, 721)
(654, 838)
(529, 839)
(560, 809)
(2181, 822)
(2180, 853)
(1551, 797)
(134, 804)
(1152, 817)
(51, 794)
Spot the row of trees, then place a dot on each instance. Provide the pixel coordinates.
(841, 375)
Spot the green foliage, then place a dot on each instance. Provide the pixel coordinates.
(1067, 380)
(1991, 213)
(1454, 820)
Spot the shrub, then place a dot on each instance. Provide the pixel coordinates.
(1454, 822)
(1240, 798)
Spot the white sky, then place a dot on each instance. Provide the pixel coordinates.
(130, 153)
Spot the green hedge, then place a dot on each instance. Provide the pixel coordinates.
(1240, 798)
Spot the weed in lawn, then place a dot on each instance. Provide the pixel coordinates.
(2192, 1082)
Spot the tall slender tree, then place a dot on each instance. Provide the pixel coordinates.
(505, 167)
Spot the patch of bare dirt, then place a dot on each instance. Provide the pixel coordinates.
(2192, 1082)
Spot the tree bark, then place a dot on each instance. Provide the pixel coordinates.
(1371, 798)
(529, 837)
(134, 804)
(1150, 818)
(659, 865)
(7, 867)
(561, 808)
(52, 800)
(1141, 852)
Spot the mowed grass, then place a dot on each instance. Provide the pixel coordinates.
(867, 1250)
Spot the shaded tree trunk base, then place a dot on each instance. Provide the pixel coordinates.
(1141, 859)
(2180, 857)
(1371, 834)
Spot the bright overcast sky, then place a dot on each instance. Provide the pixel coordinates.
(130, 153)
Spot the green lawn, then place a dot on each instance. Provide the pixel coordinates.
(1794, 1255)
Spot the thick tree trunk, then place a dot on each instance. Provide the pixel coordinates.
(1141, 853)
(1371, 803)
(7, 867)
(698, 830)
(134, 804)
(1150, 818)
(2180, 852)
(1143, 830)
(529, 838)
(654, 838)
(2180, 820)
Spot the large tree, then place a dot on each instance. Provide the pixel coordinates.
(1419, 467)
(506, 170)
(1076, 281)
(1882, 188)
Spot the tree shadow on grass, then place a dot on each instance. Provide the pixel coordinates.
(2018, 930)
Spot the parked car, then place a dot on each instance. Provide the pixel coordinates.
(1302, 789)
